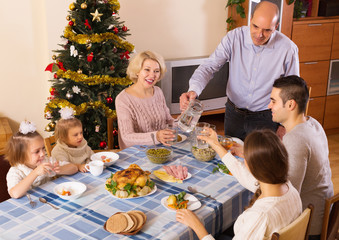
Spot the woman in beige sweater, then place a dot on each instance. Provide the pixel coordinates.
(141, 108)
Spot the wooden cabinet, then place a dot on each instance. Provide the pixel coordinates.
(314, 40)
(331, 119)
(335, 45)
(316, 75)
(318, 43)
(316, 108)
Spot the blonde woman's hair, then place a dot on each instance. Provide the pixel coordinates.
(17, 148)
(62, 127)
(138, 60)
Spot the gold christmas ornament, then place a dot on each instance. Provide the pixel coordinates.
(73, 20)
(83, 5)
(96, 16)
(79, 71)
(71, 6)
(68, 18)
(52, 125)
(47, 128)
(54, 57)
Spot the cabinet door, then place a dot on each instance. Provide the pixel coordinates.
(313, 40)
(316, 108)
(331, 119)
(335, 45)
(316, 76)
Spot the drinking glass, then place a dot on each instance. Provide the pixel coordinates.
(201, 129)
(226, 142)
(172, 126)
(189, 118)
(52, 161)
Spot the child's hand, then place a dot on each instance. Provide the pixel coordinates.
(82, 168)
(43, 169)
(56, 167)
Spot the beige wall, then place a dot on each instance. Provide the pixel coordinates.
(173, 28)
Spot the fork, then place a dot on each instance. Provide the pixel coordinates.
(33, 204)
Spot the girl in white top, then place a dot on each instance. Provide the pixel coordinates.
(71, 145)
(25, 152)
(275, 204)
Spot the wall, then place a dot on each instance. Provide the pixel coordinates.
(173, 28)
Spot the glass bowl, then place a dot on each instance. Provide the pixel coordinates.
(203, 154)
(159, 155)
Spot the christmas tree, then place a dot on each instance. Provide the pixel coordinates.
(90, 70)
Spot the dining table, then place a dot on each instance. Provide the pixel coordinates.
(84, 217)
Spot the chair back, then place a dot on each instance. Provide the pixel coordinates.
(331, 219)
(309, 98)
(49, 144)
(298, 229)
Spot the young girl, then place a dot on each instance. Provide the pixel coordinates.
(26, 154)
(276, 203)
(71, 145)
(141, 108)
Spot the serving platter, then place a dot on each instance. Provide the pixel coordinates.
(188, 177)
(150, 193)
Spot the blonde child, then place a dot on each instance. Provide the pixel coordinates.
(26, 154)
(71, 145)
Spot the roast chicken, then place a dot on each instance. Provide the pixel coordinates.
(133, 175)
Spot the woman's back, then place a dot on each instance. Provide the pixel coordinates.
(268, 215)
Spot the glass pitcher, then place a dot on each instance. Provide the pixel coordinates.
(190, 116)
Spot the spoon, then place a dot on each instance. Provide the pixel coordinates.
(43, 200)
(153, 138)
(192, 190)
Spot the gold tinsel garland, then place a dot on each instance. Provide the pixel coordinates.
(93, 80)
(116, 5)
(95, 38)
(82, 108)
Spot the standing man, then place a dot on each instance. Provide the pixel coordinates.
(257, 55)
(307, 147)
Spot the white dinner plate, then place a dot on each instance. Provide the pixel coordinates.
(193, 203)
(112, 156)
(183, 138)
(238, 140)
(188, 177)
(151, 192)
(75, 188)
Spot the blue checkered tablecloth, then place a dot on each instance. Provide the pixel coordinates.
(84, 217)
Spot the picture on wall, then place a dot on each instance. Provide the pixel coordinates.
(253, 3)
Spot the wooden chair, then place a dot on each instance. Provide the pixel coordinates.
(298, 229)
(49, 144)
(331, 219)
(309, 99)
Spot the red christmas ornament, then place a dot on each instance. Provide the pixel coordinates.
(115, 30)
(109, 100)
(111, 68)
(124, 28)
(115, 132)
(52, 91)
(90, 57)
(55, 75)
(71, 23)
(103, 144)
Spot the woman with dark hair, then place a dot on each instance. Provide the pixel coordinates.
(275, 204)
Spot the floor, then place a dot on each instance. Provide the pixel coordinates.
(333, 144)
